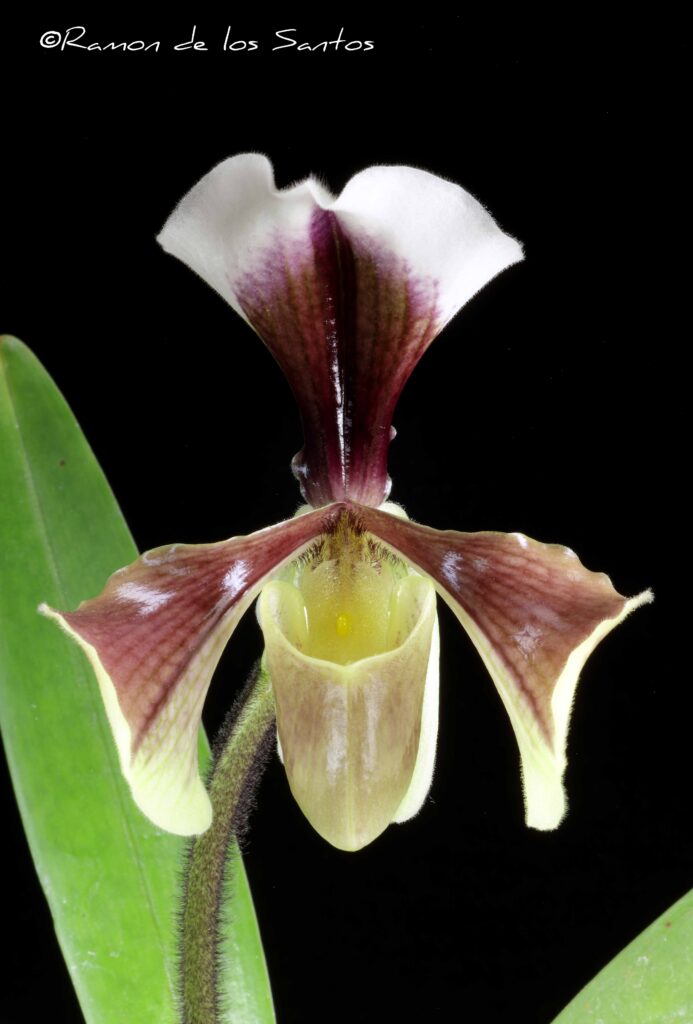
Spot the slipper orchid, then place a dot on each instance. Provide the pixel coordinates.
(347, 293)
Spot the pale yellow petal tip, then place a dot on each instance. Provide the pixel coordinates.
(542, 771)
(646, 597)
(187, 816)
(545, 802)
(164, 784)
(51, 613)
(48, 612)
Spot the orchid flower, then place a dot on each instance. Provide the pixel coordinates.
(347, 293)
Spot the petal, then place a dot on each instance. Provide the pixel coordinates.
(154, 637)
(356, 739)
(535, 614)
(347, 293)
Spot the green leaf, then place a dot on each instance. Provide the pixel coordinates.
(649, 982)
(111, 878)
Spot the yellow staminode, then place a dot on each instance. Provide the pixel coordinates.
(347, 591)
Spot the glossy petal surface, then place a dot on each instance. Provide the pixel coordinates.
(347, 293)
(154, 637)
(534, 613)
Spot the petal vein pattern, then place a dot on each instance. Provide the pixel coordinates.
(347, 293)
(347, 322)
(534, 613)
(154, 637)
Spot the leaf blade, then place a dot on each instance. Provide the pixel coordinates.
(648, 982)
(109, 875)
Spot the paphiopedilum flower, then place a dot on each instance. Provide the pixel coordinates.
(347, 293)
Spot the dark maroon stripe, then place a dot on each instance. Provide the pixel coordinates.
(535, 604)
(347, 321)
(145, 654)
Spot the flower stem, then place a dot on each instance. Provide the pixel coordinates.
(240, 754)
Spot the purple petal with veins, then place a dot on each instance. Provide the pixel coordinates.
(154, 637)
(347, 292)
(533, 604)
(347, 321)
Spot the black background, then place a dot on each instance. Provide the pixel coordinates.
(553, 404)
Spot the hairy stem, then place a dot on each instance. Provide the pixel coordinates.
(240, 754)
